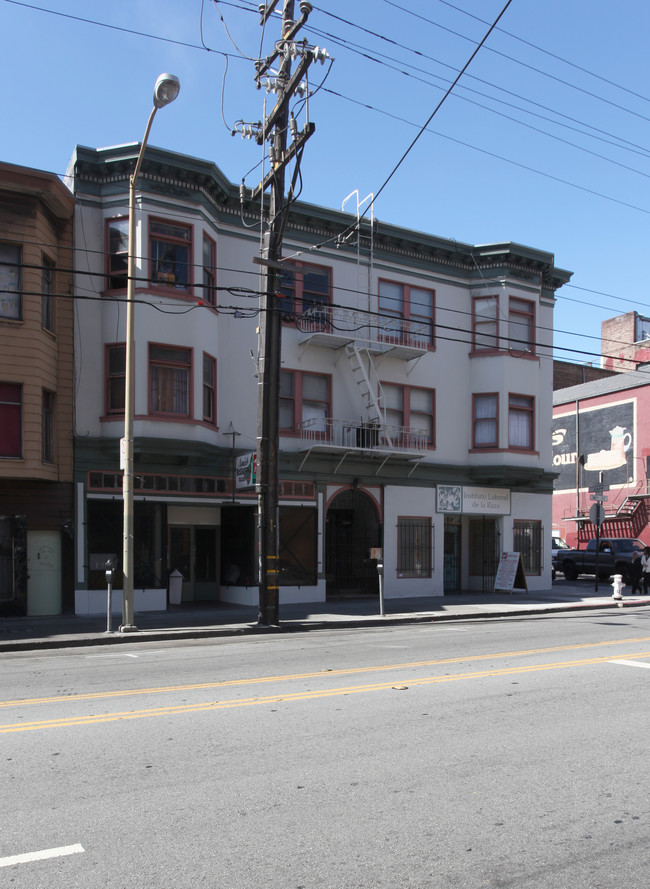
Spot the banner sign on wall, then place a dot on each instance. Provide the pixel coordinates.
(246, 471)
(471, 500)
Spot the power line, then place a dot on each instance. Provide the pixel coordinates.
(376, 57)
(87, 21)
(493, 154)
(523, 64)
(437, 108)
(542, 50)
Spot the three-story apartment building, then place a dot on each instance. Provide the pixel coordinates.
(36, 392)
(415, 393)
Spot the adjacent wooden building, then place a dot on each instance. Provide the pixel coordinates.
(36, 392)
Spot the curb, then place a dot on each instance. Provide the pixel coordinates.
(81, 641)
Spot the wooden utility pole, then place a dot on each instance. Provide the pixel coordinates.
(275, 129)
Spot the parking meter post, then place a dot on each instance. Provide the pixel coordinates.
(377, 555)
(109, 595)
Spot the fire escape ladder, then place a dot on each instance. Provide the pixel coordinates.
(628, 507)
(632, 514)
(370, 389)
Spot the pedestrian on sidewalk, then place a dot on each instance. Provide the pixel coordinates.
(636, 574)
(645, 562)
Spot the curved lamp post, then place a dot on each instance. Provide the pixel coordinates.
(165, 91)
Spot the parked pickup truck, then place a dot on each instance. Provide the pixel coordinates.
(614, 556)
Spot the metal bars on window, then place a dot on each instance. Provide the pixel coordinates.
(527, 539)
(414, 547)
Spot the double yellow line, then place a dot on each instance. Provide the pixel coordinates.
(290, 677)
(66, 722)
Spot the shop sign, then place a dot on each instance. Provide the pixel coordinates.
(471, 500)
(246, 471)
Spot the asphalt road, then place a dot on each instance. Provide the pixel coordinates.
(510, 753)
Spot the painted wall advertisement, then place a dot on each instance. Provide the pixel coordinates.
(604, 437)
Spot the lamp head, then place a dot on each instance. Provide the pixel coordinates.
(166, 89)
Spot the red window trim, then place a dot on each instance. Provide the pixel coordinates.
(297, 398)
(213, 421)
(291, 315)
(485, 350)
(108, 411)
(531, 412)
(406, 407)
(171, 415)
(161, 286)
(532, 315)
(209, 292)
(493, 446)
(108, 255)
(407, 314)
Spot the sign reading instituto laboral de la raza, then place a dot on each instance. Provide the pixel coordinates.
(471, 500)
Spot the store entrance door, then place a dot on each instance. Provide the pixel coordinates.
(193, 552)
(451, 567)
(44, 572)
(352, 530)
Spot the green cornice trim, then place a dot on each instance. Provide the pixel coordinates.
(97, 171)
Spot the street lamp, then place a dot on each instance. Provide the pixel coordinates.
(165, 91)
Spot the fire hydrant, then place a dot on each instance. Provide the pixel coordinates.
(618, 586)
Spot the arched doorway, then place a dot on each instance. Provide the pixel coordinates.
(352, 528)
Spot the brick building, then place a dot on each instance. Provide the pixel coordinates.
(601, 430)
(566, 373)
(625, 341)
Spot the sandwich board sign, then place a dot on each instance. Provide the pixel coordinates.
(510, 574)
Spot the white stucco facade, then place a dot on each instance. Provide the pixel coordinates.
(408, 362)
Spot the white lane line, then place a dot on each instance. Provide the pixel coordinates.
(632, 664)
(39, 856)
(90, 657)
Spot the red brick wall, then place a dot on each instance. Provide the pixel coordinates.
(617, 336)
(566, 374)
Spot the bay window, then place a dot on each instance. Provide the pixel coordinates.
(47, 291)
(209, 389)
(117, 254)
(209, 271)
(170, 370)
(521, 325)
(521, 422)
(485, 323)
(170, 252)
(485, 420)
(115, 374)
(11, 282)
(11, 420)
(47, 426)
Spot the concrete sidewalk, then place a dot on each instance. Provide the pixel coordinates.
(204, 620)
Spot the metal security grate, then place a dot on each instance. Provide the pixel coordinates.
(527, 540)
(413, 547)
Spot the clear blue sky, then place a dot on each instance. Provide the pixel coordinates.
(544, 142)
